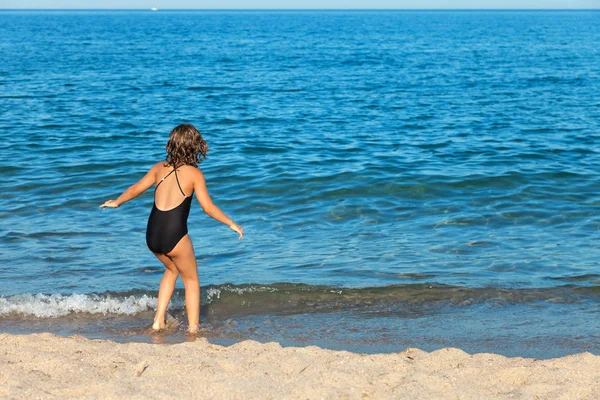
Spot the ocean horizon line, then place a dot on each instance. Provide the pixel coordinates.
(304, 9)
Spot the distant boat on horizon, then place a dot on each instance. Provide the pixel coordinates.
(154, 9)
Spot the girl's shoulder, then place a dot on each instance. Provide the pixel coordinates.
(159, 166)
(162, 166)
(190, 167)
(193, 172)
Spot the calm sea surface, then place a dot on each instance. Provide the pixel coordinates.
(404, 178)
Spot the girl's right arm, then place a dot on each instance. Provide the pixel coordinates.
(210, 208)
(134, 190)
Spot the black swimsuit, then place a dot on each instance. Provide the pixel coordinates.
(167, 228)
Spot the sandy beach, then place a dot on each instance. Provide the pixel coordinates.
(45, 366)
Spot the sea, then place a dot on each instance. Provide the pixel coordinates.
(404, 178)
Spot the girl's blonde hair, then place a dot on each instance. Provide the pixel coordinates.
(185, 146)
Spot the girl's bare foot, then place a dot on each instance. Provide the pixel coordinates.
(193, 330)
(169, 324)
(157, 326)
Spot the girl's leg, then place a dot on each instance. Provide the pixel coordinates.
(167, 285)
(183, 256)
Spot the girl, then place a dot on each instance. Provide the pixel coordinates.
(176, 179)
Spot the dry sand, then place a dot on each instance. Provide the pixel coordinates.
(45, 366)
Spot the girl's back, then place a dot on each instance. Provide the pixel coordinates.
(167, 223)
(170, 188)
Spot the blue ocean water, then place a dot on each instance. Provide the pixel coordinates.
(426, 166)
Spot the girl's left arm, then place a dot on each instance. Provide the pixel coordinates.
(134, 190)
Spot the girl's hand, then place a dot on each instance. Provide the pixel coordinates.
(236, 228)
(109, 204)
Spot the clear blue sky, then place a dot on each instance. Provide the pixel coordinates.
(342, 4)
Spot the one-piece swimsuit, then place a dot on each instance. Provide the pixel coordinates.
(167, 228)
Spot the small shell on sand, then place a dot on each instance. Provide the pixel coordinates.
(141, 367)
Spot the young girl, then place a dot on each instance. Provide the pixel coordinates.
(176, 179)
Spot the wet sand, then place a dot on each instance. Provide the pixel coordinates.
(46, 366)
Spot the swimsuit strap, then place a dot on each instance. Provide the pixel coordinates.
(176, 177)
(161, 181)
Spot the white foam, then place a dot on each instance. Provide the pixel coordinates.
(214, 293)
(56, 305)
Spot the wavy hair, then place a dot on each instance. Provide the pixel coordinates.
(185, 146)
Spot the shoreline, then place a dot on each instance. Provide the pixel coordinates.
(46, 366)
(543, 323)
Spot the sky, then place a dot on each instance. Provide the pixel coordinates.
(304, 4)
